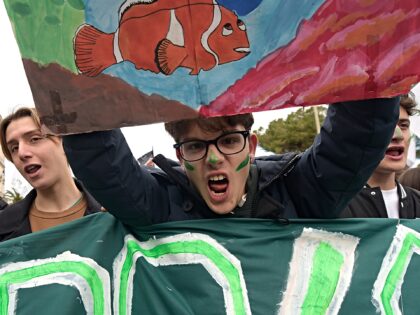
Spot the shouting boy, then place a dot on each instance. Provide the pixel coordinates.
(218, 175)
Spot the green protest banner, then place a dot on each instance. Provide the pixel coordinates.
(95, 265)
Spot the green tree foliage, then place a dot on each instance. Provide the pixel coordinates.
(293, 134)
(13, 196)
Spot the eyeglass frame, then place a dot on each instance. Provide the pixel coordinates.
(244, 133)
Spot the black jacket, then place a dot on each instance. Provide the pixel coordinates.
(369, 203)
(3, 204)
(317, 184)
(14, 219)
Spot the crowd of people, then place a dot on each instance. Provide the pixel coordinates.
(349, 171)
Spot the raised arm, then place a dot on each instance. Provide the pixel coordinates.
(351, 144)
(104, 163)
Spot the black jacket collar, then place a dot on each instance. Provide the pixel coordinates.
(269, 169)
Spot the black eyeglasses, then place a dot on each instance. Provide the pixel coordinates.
(228, 143)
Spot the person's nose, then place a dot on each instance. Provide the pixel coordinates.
(24, 151)
(398, 134)
(214, 156)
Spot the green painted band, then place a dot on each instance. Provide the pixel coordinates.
(26, 274)
(397, 270)
(184, 247)
(326, 266)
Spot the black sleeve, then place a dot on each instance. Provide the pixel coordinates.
(104, 163)
(351, 144)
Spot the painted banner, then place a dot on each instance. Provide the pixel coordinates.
(95, 265)
(99, 64)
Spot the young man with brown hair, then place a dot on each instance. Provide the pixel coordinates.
(55, 198)
(218, 175)
(383, 196)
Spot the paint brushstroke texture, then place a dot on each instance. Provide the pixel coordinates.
(347, 50)
(102, 64)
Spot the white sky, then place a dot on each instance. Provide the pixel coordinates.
(15, 92)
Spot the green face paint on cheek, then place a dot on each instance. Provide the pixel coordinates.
(188, 166)
(243, 163)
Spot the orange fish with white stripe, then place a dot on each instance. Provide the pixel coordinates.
(163, 35)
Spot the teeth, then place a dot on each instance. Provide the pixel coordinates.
(31, 168)
(217, 177)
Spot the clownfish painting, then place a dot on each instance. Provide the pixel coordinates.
(164, 35)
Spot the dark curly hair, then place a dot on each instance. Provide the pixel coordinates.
(408, 102)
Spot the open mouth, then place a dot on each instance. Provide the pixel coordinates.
(394, 151)
(31, 169)
(218, 184)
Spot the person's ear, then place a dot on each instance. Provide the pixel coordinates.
(253, 142)
(178, 156)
